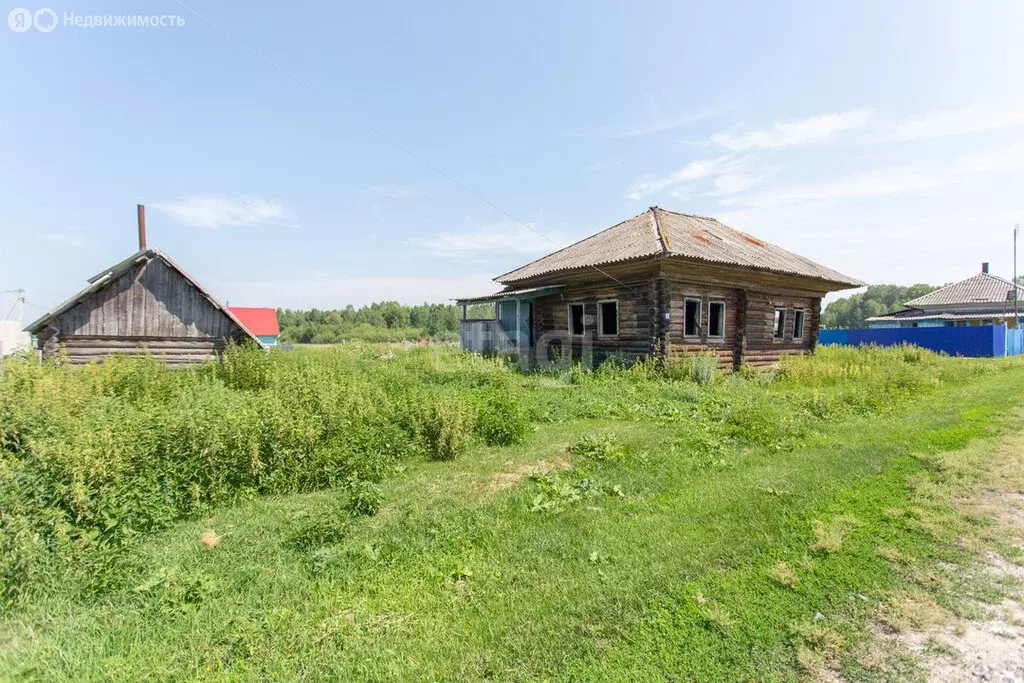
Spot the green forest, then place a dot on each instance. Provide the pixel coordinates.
(851, 312)
(390, 321)
(384, 321)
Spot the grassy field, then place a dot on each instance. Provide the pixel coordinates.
(438, 516)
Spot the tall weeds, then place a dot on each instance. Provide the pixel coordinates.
(93, 458)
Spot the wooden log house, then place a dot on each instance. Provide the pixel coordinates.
(144, 304)
(659, 283)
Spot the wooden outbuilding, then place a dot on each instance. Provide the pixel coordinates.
(144, 304)
(659, 283)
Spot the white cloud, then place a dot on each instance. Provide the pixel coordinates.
(884, 182)
(949, 238)
(506, 237)
(731, 174)
(812, 130)
(695, 170)
(218, 210)
(732, 183)
(892, 181)
(946, 122)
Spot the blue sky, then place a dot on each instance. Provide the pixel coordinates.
(327, 154)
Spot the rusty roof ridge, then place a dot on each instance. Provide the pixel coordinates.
(665, 249)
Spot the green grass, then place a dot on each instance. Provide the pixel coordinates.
(636, 533)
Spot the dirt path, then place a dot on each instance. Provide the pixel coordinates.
(986, 641)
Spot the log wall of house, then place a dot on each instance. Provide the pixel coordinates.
(645, 290)
(180, 351)
(150, 306)
(750, 298)
(635, 293)
(762, 348)
(679, 291)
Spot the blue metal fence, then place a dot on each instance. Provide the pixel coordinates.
(832, 337)
(1015, 342)
(977, 342)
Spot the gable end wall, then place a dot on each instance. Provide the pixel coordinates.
(149, 307)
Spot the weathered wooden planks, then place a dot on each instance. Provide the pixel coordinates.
(151, 308)
(150, 299)
(85, 349)
(648, 290)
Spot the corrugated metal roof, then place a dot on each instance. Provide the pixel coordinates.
(657, 232)
(633, 238)
(510, 293)
(102, 279)
(918, 314)
(260, 321)
(983, 288)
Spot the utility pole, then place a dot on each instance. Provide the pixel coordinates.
(19, 303)
(1016, 291)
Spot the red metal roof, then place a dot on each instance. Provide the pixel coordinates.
(260, 321)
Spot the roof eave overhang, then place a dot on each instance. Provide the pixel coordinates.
(830, 285)
(514, 295)
(557, 272)
(534, 293)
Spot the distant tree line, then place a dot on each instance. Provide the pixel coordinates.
(381, 321)
(853, 311)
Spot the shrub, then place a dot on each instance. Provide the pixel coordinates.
(244, 367)
(443, 424)
(20, 549)
(365, 498)
(694, 367)
(502, 421)
(702, 371)
(603, 447)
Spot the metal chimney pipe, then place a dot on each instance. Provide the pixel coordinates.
(984, 267)
(142, 226)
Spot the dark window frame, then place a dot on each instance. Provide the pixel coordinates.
(583, 319)
(799, 315)
(721, 320)
(696, 326)
(779, 324)
(601, 318)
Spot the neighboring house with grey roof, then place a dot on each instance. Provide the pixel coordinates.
(661, 282)
(982, 299)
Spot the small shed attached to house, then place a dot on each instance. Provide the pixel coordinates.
(262, 322)
(661, 282)
(144, 304)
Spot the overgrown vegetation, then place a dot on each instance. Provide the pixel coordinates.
(96, 458)
(434, 515)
